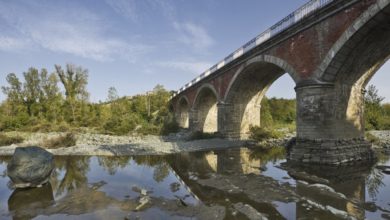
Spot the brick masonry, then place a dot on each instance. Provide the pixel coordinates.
(330, 55)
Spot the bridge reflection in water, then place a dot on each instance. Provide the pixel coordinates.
(262, 179)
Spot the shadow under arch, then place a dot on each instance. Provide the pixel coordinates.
(182, 111)
(246, 91)
(353, 60)
(204, 112)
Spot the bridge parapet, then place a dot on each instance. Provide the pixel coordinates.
(291, 19)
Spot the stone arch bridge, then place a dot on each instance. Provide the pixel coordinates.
(330, 48)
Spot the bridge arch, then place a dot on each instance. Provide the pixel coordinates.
(351, 63)
(182, 111)
(204, 116)
(242, 101)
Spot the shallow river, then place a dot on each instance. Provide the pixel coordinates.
(229, 184)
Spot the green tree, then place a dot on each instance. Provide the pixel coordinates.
(74, 80)
(32, 91)
(373, 109)
(266, 119)
(51, 98)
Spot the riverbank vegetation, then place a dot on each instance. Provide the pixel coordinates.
(6, 140)
(43, 102)
(60, 102)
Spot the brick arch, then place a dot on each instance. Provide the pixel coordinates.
(282, 64)
(375, 16)
(201, 89)
(182, 98)
(182, 112)
(248, 87)
(350, 64)
(204, 110)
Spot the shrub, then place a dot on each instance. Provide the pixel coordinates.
(8, 140)
(67, 140)
(372, 138)
(169, 127)
(197, 135)
(259, 133)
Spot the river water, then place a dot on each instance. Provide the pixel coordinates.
(222, 184)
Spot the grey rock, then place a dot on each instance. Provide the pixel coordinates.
(30, 167)
(249, 211)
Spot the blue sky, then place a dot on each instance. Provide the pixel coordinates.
(135, 44)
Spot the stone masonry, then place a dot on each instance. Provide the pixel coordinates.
(331, 55)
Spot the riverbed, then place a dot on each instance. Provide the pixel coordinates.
(238, 183)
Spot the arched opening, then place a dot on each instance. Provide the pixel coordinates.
(182, 116)
(246, 93)
(361, 55)
(205, 112)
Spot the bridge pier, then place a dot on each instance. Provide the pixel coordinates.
(234, 120)
(326, 132)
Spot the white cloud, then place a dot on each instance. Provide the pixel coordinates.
(125, 8)
(12, 44)
(196, 67)
(77, 31)
(194, 35)
(84, 41)
(138, 10)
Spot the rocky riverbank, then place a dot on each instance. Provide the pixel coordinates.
(383, 139)
(107, 145)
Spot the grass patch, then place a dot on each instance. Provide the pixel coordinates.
(8, 140)
(198, 135)
(372, 138)
(259, 133)
(66, 140)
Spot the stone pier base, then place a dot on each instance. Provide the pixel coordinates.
(331, 152)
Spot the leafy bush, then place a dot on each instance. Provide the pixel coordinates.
(67, 140)
(8, 140)
(372, 138)
(259, 133)
(169, 127)
(197, 135)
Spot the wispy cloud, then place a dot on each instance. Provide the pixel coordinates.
(138, 10)
(12, 43)
(125, 8)
(194, 35)
(77, 31)
(195, 67)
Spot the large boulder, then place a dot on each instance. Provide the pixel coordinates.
(30, 167)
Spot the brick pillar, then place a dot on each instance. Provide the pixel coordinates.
(193, 122)
(325, 135)
(234, 119)
(225, 119)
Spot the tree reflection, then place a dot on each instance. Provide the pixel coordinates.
(374, 181)
(75, 168)
(161, 171)
(161, 168)
(111, 164)
(266, 154)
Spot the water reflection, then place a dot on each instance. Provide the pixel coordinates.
(177, 185)
(70, 173)
(340, 191)
(23, 203)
